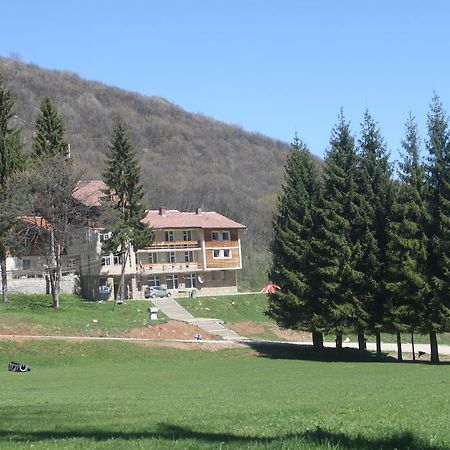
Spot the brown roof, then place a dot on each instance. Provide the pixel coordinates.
(90, 192)
(172, 218)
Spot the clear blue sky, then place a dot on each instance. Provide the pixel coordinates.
(271, 66)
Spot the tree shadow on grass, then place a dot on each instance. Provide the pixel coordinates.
(171, 433)
(291, 350)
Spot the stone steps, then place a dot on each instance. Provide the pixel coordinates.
(173, 310)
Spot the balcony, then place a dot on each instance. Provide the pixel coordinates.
(172, 245)
(168, 267)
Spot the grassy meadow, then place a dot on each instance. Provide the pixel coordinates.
(75, 317)
(116, 395)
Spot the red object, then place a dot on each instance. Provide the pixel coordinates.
(270, 288)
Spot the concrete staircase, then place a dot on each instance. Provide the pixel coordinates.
(173, 310)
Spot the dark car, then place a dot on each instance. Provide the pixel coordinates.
(156, 291)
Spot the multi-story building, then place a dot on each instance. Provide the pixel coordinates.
(193, 253)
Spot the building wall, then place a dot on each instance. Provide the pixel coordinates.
(70, 284)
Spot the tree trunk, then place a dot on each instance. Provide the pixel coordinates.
(338, 343)
(57, 286)
(4, 279)
(317, 341)
(399, 347)
(434, 348)
(412, 346)
(121, 291)
(361, 344)
(378, 340)
(53, 271)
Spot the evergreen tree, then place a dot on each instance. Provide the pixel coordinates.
(124, 207)
(407, 284)
(375, 201)
(437, 306)
(333, 251)
(294, 305)
(12, 159)
(49, 137)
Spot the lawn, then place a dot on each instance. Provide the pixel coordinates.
(128, 396)
(76, 317)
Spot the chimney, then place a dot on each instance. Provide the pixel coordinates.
(198, 211)
(162, 211)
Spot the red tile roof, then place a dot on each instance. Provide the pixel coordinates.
(172, 218)
(90, 192)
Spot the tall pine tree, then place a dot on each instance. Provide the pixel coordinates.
(294, 305)
(12, 159)
(124, 205)
(333, 251)
(375, 201)
(406, 280)
(49, 139)
(437, 306)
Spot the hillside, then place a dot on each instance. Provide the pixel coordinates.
(188, 160)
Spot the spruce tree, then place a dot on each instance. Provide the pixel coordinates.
(406, 281)
(49, 139)
(294, 305)
(12, 159)
(124, 206)
(375, 201)
(333, 251)
(437, 306)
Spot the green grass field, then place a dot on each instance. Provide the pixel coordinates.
(130, 396)
(75, 317)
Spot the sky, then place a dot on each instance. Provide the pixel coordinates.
(276, 67)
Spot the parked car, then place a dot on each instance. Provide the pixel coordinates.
(156, 291)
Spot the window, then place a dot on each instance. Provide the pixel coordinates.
(190, 281)
(187, 235)
(106, 260)
(118, 259)
(104, 237)
(153, 258)
(188, 256)
(26, 264)
(153, 280)
(215, 235)
(171, 257)
(71, 263)
(222, 254)
(172, 281)
(168, 236)
(226, 235)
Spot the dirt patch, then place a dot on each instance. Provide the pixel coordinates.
(250, 329)
(292, 335)
(247, 328)
(22, 330)
(173, 329)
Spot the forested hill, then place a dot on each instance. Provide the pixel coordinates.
(188, 160)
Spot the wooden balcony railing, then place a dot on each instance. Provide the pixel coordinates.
(172, 245)
(168, 267)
